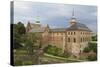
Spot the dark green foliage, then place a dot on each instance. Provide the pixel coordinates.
(52, 50)
(29, 41)
(31, 52)
(92, 58)
(91, 46)
(94, 38)
(25, 62)
(20, 28)
(55, 51)
(29, 47)
(18, 31)
(18, 62)
(87, 49)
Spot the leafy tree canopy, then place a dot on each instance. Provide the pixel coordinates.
(18, 31)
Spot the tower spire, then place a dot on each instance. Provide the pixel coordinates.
(73, 20)
(73, 13)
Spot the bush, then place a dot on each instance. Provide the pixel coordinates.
(94, 38)
(86, 49)
(20, 62)
(17, 62)
(55, 51)
(92, 58)
(27, 62)
(91, 46)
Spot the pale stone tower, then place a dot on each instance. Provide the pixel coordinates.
(78, 36)
(73, 20)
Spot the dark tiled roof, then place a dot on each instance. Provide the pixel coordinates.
(37, 30)
(78, 26)
(58, 30)
(40, 28)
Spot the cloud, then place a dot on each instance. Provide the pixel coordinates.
(54, 14)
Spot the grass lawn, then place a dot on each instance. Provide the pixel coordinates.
(62, 58)
(21, 58)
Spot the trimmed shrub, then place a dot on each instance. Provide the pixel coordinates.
(55, 51)
(91, 46)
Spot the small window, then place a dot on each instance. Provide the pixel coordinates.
(74, 33)
(74, 40)
(68, 39)
(81, 32)
(81, 39)
(71, 33)
(68, 33)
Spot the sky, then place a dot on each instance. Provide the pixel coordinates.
(55, 15)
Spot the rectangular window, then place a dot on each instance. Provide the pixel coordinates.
(74, 33)
(74, 40)
(68, 39)
(68, 33)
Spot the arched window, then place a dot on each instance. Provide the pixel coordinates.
(81, 39)
(68, 39)
(74, 40)
(68, 33)
(74, 33)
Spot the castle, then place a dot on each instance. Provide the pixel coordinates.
(72, 39)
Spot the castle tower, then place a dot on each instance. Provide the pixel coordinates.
(73, 20)
(37, 23)
(37, 20)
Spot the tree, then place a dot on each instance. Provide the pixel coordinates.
(32, 42)
(91, 46)
(86, 49)
(94, 38)
(18, 31)
(53, 50)
(16, 41)
(16, 37)
(20, 28)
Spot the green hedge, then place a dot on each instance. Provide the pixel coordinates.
(55, 51)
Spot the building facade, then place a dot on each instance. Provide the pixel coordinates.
(72, 40)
